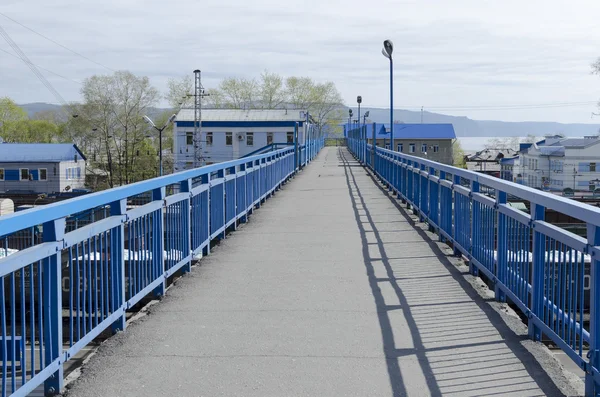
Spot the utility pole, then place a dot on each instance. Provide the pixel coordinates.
(421, 114)
(198, 95)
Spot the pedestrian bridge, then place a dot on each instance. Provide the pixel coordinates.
(329, 272)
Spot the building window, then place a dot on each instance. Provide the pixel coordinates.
(423, 148)
(189, 138)
(387, 146)
(209, 139)
(1, 174)
(592, 167)
(290, 137)
(24, 174)
(412, 148)
(400, 147)
(269, 138)
(43, 174)
(249, 138)
(228, 138)
(436, 148)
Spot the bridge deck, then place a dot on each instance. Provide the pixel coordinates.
(330, 290)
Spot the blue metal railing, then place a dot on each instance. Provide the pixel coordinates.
(549, 273)
(64, 282)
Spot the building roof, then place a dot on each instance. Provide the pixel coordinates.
(243, 115)
(576, 142)
(38, 152)
(412, 131)
(552, 150)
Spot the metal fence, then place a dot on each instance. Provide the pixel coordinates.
(77, 266)
(549, 273)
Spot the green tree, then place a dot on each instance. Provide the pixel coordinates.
(113, 108)
(458, 155)
(11, 115)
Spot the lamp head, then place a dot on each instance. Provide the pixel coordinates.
(388, 47)
(148, 120)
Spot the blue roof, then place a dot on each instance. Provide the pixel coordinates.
(38, 152)
(413, 131)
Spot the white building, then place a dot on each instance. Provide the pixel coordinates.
(557, 163)
(228, 134)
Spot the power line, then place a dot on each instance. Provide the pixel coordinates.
(40, 67)
(57, 43)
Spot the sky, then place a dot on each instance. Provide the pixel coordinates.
(490, 60)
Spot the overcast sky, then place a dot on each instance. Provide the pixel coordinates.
(473, 54)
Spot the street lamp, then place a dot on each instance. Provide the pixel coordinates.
(349, 120)
(364, 127)
(388, 48)
(360, 132)
(160, 130)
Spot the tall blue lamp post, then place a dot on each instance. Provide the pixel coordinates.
(388, 48)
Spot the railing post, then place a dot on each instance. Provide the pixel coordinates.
(475, 222)
(431, 171)
(206, 181)
(159, 195)
(186, 187)
(537, 273)
(373, 146)
(501, 247)
(444, 207)
(455, 181)
(53, 231)
(244, 217)
(296, 154)
(117, 245)
(591, 387)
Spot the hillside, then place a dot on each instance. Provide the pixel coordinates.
(464, 126)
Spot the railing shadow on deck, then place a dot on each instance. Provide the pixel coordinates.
(478, 365)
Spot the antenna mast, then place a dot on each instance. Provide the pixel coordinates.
(198, 92)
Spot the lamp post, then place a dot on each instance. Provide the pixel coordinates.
(349, 122)
(388, 48)
(160, 130)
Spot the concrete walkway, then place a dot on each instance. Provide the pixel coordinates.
(330, 290)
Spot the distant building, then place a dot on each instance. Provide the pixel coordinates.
(229, 134)
(431, 141)
(41, 167)
(556, 163)
(510, 169)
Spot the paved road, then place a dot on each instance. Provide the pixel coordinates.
(330, 290)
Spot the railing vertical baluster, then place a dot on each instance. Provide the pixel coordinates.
(592, 388)
(537, 272)
(52, 291)
(501, 247)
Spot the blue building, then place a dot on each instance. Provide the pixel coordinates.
(431, 141)
(41, 167)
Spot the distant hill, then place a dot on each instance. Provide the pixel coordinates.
(33, 108)
(466, 127)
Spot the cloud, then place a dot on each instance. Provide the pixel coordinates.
(462, 53)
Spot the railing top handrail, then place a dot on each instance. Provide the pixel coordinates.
(582, 211)
(36, 216)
